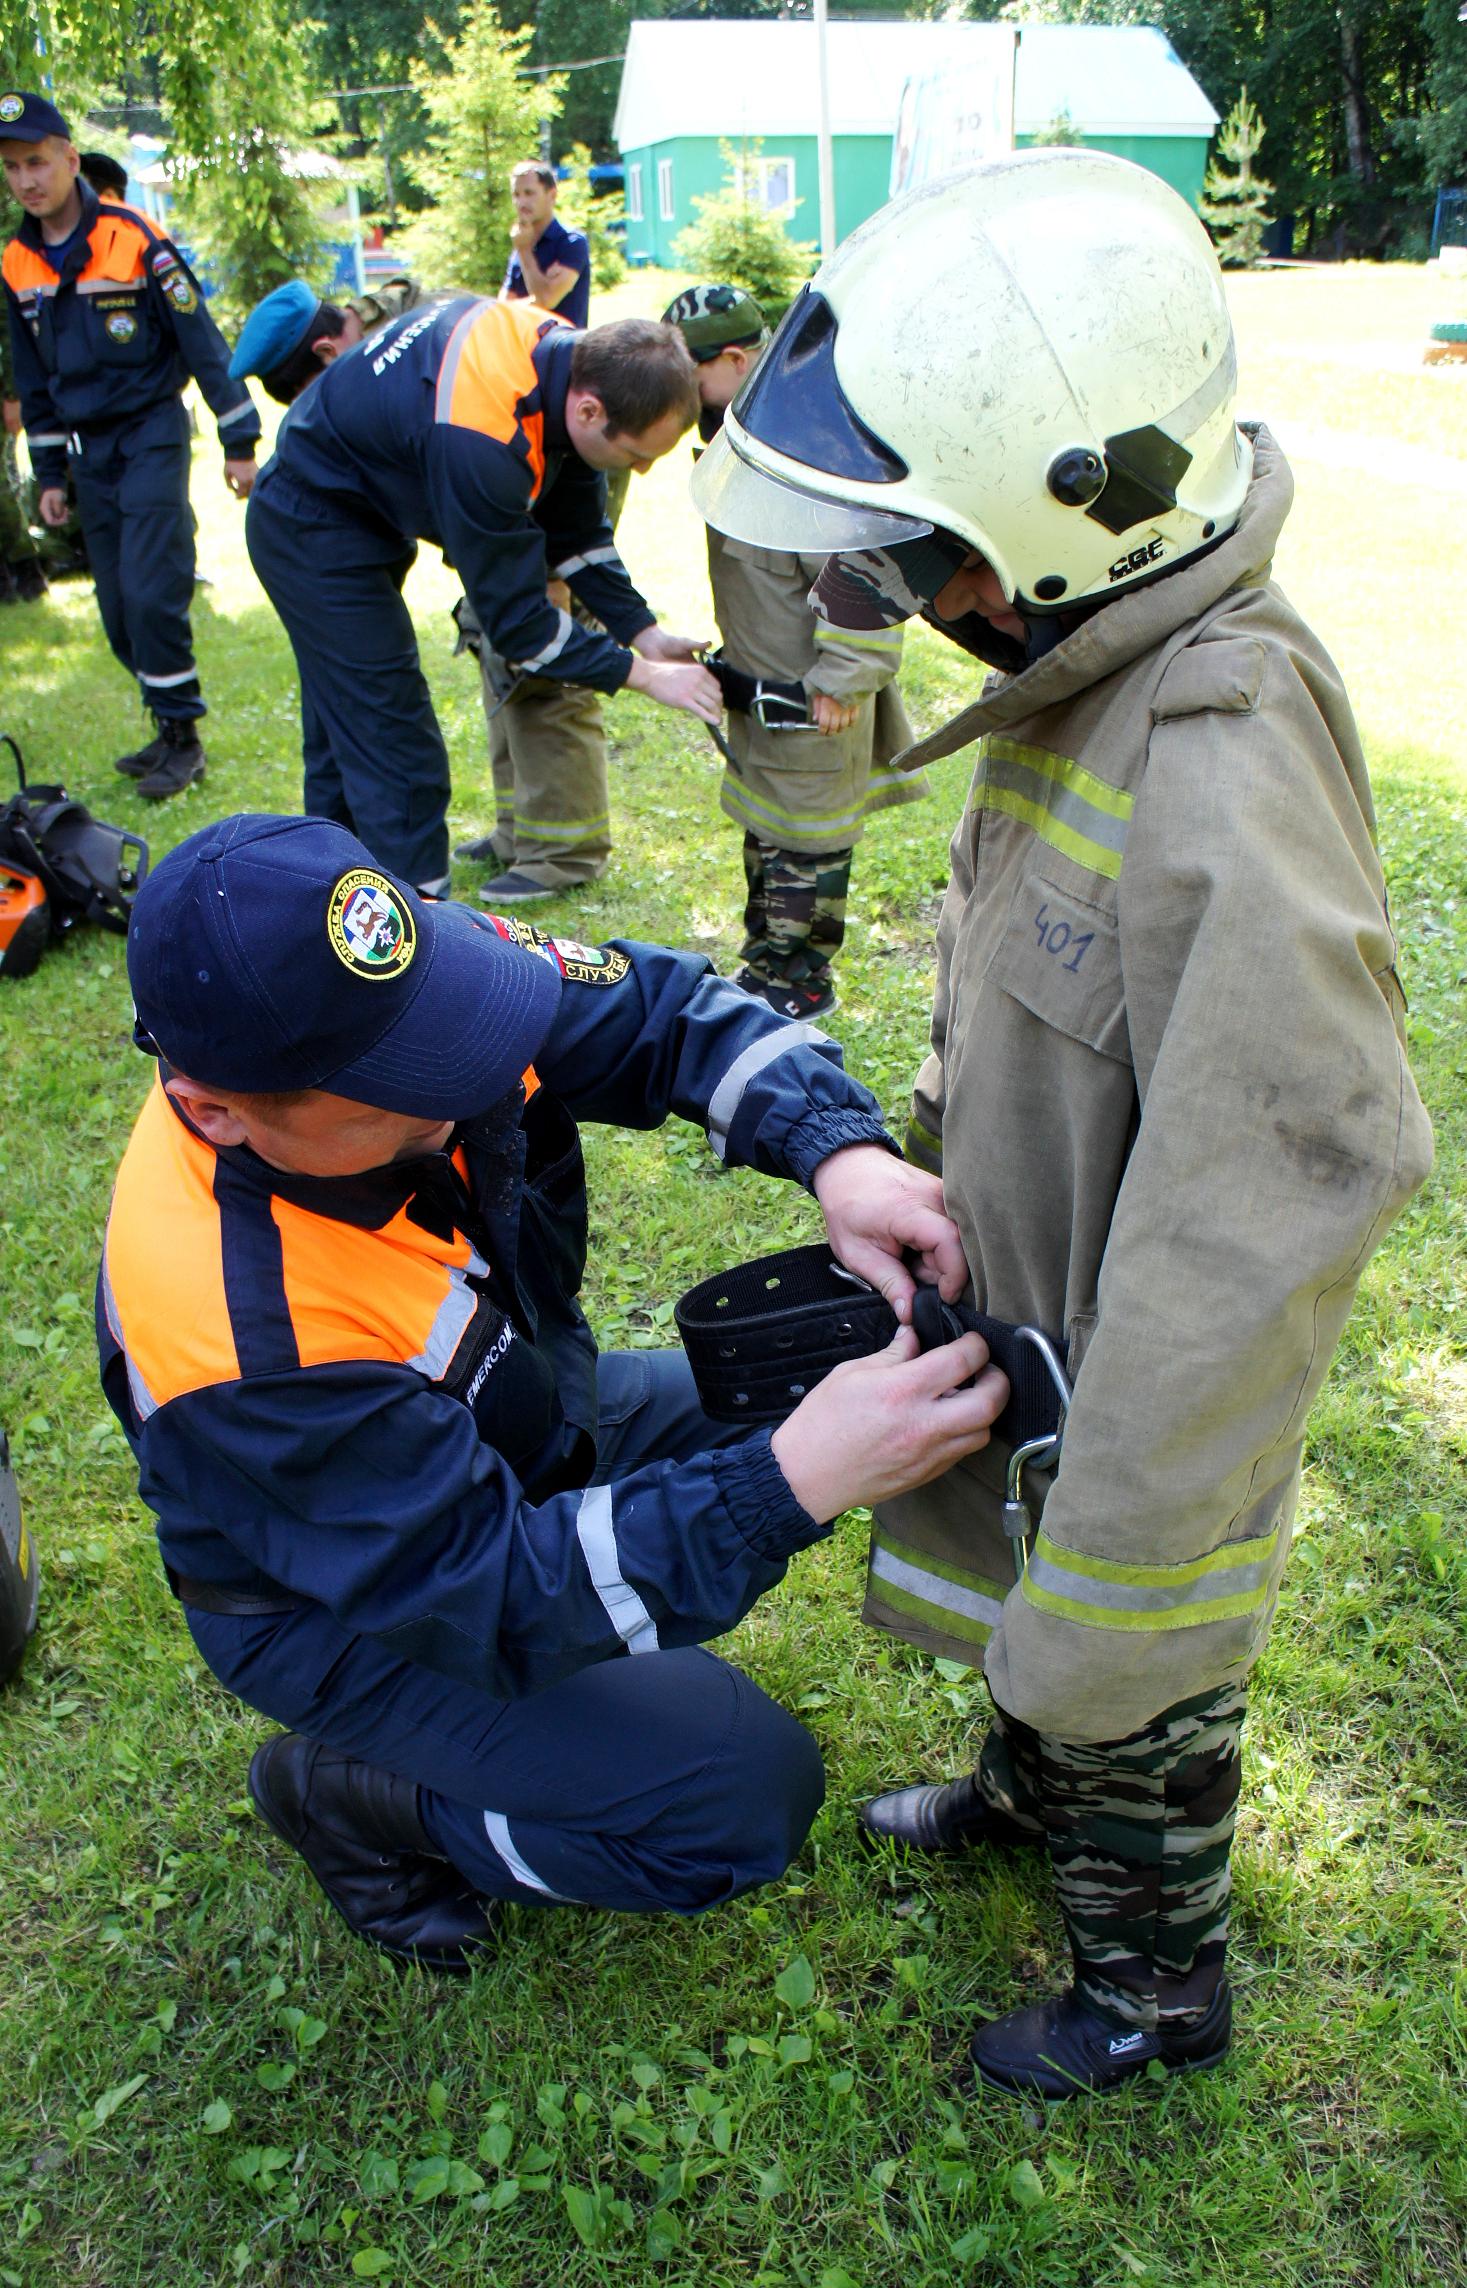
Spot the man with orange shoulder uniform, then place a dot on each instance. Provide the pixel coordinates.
(107, 323)
(485, 428)
(410, 1512)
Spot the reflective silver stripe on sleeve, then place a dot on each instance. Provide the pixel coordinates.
(240, 413)
(496, 1827)
(569, 564)
(552, 650)
(104, 285)
(729, 1094)
(452, 1320)
(47, 437)
(144, 1402)
(162, 682)
(624, 1608)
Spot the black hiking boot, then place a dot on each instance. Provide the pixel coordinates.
(180, 764)
(1063, 2048)
(941, 1819)
(360, 1832)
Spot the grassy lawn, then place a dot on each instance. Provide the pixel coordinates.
(204, 2080)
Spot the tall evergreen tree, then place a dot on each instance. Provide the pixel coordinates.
(1234, 199)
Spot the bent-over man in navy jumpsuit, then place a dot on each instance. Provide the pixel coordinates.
(485, 428)
(410, 1513)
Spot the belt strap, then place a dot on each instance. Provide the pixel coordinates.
(762, 1335)
(209, 1597)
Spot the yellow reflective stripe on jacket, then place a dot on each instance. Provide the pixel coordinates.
(1067, 806)
(771, 818)
(888, 640)
(1225, 1585)
(944, 1596)
(921, 1142)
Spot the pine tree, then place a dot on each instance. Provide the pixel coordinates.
(485, 117)
(738, 239)
(1234, 206)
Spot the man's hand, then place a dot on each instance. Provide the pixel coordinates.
(829, 714)
(680, 683)
(53, 505)
(878, 1426)
(658, 643)
(240, 478)
(876, 1207)
(10, 414)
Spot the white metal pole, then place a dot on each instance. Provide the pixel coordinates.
(826, 156)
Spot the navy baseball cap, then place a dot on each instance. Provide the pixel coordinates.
(272, 953)
(274, 329)
(28, 118)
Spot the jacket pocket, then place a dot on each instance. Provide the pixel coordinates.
(119, 329)
(1060, 955)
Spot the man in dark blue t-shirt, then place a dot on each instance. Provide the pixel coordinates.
(548, 264)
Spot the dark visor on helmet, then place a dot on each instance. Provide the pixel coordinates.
(793, 401)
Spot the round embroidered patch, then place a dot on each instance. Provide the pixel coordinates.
(11, 106)
(371, 930)
(120, 327)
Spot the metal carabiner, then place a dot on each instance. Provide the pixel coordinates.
(1043, 1452)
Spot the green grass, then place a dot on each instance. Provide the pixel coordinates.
(203, 2080)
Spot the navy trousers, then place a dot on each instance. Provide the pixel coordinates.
(374, 755)
(132, 494)
(665, 1782)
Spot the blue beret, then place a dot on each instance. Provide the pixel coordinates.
(27, 118)
(274, 328)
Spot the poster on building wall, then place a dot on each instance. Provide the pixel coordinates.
(959, 114)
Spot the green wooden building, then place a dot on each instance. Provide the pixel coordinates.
(689, 87)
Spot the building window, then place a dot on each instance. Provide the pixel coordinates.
(665, 207)
(768, 182)
(634, 192)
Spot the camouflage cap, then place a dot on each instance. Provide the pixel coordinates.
(710, 318)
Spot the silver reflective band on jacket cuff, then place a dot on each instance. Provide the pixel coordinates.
(47, 437)
(165, 682)
(729, 1094)
(240, 413)
(1228, 1584)
(624, 1608)
(552, 650)
(949, 1598)
(570, 564)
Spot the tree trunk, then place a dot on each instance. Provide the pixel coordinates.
(1357, 120)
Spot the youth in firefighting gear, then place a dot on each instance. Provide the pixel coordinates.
(485, 427)
(107, 323)
(410, 1513)
(1167, 1092)
(801, 794)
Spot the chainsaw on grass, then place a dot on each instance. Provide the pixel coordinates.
(59, 866)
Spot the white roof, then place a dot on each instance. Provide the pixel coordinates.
(733, 77)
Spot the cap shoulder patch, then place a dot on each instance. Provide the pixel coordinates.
(580, 964)
(372, 931)
(11, 107)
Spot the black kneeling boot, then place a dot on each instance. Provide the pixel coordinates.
(360, 1832)
(948, 1818)
(1063, 2048)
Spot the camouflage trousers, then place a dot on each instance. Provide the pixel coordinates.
(1139, 1834)
(795, 914)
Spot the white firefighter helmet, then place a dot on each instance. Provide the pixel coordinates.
(1035, 358)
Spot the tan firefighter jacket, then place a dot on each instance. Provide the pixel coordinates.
(806, 790)
(1169, 1101)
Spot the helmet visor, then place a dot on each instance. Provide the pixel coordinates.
(743, 502)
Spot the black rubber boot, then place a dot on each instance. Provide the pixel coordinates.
(141, 760)
(1063, 2048)
(180, 764)
(943, 1819)
(360, 1832)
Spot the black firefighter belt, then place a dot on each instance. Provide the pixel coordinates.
(762, 1335)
